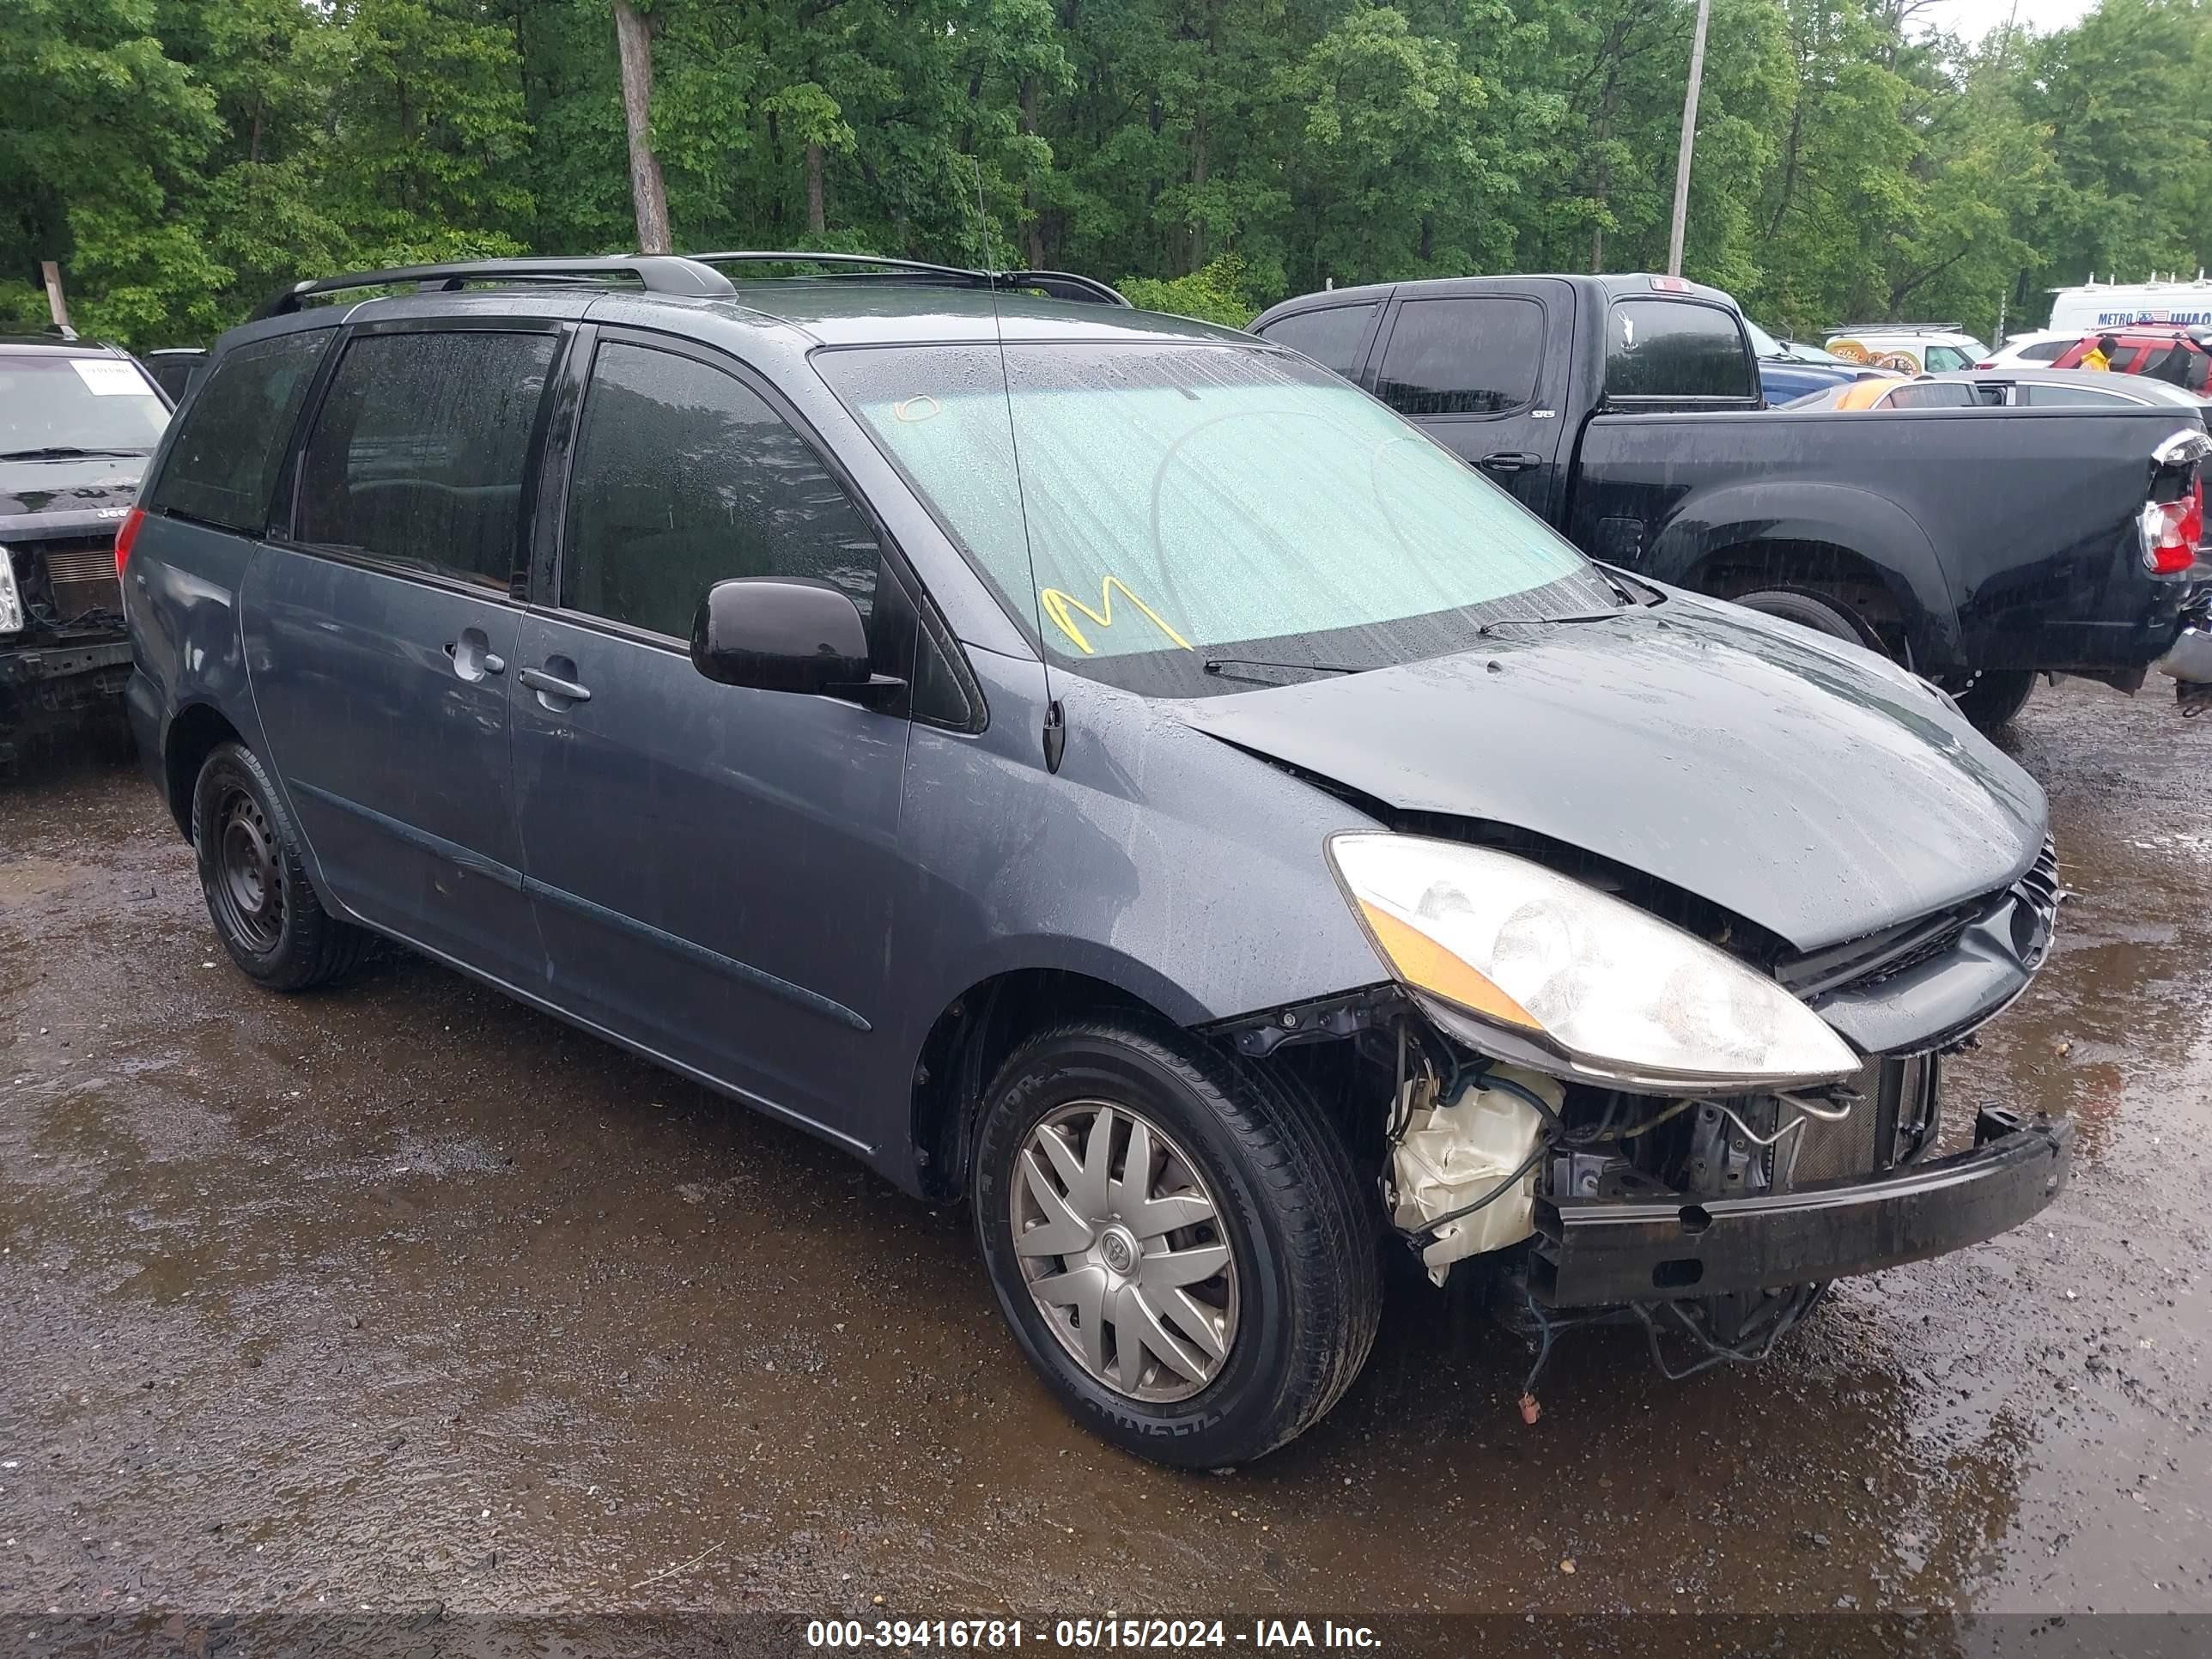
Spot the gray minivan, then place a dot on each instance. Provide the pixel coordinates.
(1096, 764)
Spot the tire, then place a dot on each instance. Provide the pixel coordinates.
(1295, 1304)
(1821, 612)
(1992, 698)
(259, 896)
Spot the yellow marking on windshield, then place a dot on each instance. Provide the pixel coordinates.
(1057, 605)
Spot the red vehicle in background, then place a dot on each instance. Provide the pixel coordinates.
(2142, 346)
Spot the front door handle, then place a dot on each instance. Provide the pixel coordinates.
(1510, 460)
(551, 686)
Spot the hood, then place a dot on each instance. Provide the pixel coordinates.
(1801, 783)
(57, 497)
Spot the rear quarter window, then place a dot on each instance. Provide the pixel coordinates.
(1673, 349)
(224, 463)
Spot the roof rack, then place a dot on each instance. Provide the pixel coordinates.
(1057, 284)
(1897, 328)
(657, 273)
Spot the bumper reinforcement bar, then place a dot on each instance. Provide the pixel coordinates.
(1605, 1252)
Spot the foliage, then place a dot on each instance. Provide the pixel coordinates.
(184, 158)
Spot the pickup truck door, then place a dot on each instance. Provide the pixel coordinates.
(1476, 372)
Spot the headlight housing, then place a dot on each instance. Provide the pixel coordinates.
(1551, 972)
(11, 599)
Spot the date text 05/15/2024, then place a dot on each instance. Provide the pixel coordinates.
(1163, 1635)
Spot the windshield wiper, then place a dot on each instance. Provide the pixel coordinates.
(1542, 622)
(1215, 664)
(62, 453)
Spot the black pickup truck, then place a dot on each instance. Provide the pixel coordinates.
(1978, 546)
(77, 421)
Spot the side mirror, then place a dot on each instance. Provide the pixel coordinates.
(773, 633)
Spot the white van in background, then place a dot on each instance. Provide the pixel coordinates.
(2096, 305)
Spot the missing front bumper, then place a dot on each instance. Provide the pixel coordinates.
(1605, 1252)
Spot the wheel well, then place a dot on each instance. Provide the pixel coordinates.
(193, 735)
(1729, 573)
(969, 1042)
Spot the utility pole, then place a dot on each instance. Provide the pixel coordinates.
(1689, 139)
(57, 307)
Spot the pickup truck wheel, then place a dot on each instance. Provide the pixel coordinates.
(1183, 1250)
(1991, 698)
(1821, 612)
(257, 894)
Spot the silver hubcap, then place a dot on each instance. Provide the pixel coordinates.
(1120, 1240)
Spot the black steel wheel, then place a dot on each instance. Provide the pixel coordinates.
(264, 909)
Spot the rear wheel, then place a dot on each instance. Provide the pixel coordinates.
(1824, 613)
(1183, 1250)
(1991, 698)
(257, 894)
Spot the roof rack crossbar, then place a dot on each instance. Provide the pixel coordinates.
(656, 273)
(1059, 284)
(1897, 328)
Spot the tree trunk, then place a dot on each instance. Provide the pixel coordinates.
(647, 189)
(1198, 179)
(1030, 203)
(817, 221)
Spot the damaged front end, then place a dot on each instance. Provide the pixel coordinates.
(1588, 1188)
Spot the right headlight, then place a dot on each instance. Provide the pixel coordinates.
(11, 598)
(1558, 975)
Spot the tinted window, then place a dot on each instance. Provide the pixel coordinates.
(1331, 335)
(2051, 396)
(1472, 356)
(224, 462)
(2049, 351)
(419, 452)
(1937, 394)
(685, 478)
(1671, 349)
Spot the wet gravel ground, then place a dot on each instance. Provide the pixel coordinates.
(403, 1296)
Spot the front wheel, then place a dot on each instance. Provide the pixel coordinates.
(1182, 1250)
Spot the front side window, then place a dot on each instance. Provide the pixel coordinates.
(1672, 348)
(226, 456)
(683, 477)
(1331, 334)
(1477, 356)
(1181, 503)
(419, 453)
(1942, 359)
(57, 406)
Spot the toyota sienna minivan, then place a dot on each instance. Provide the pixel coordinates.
(1100, 766)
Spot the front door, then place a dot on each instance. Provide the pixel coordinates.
(1468, 368)
(379, 636)
(712, 866)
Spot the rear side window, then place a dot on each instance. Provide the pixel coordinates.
(2069, 397)
(419, 452)
(1672, 348)
(1470, 357)
(224, 463)
(1330, 334)
(1935, 394)
(684, 477)
(2046, 351)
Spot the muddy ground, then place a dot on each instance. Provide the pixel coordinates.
(401, 1297)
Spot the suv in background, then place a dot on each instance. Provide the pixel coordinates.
(172, 368)
(77, 421)
(2177, 353)
(1100, 764)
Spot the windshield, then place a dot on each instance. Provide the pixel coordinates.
(77, 403)
(1195, 503)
